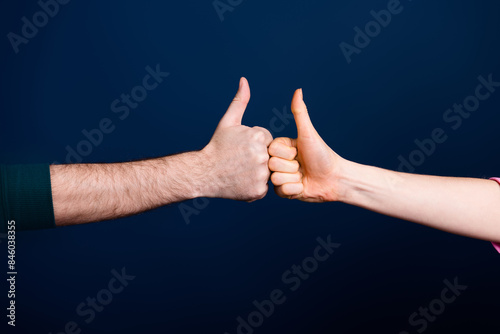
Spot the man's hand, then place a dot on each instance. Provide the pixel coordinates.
(304, 168)
(237, 156)
(233, 165)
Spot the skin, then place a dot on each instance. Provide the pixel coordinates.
(234, 165)
(307, 169)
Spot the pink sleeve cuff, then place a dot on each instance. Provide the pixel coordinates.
(497, 246)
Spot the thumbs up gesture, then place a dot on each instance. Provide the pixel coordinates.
(304, 168)
(237, 155)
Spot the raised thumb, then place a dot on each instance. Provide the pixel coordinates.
(234, 113)
(305, 127)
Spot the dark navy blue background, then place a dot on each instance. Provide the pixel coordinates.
(199, 278)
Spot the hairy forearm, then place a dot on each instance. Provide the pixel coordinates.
(465, 206)
(84, 193)
(233, 165)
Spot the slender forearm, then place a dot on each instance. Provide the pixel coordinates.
(307, 169)
(465, 206)
(84, 193)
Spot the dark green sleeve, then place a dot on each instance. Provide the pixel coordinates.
(26, 197)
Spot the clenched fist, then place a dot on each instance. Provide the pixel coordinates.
(237, 155)
(304, 168)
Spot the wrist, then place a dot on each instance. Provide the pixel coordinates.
(206, 185)
(363, 185)
(346, 181)
(184, 176)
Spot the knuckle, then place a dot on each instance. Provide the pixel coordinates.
(263, 130)
(275, 177)
(265, 174)
(261, 191)
(273, 161)
(272, 149)
(286, 191)
(261, 175)
(253, 150)
(258, 136)
(267, 133)
(282, 195)
(264, 158)
(259, 158)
